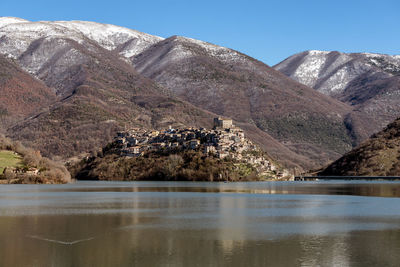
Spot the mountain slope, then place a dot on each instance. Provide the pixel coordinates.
(108, 96)
(21, 95)
(368, 82)
(332, 72)
(229, 83)
(378, 156)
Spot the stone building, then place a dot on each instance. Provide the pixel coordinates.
(222, 123)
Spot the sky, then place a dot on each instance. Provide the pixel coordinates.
(269, 31)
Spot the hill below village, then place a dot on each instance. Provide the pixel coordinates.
(189, 154)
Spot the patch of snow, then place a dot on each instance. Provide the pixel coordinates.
(373, 60)
(110, 36)
(339, 80)
(371, 54)
(341, 60)
(308, 72)
(220, 52)
(50, 46)
(159, 59)
(318, 52)
(10, 20)
(384, 62)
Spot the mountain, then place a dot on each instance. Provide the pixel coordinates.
(188, 154)
(107, 77)
(98, 92)
(378, 156)
(52, 51)
(232, 84)
(368, 82)
(18, 35)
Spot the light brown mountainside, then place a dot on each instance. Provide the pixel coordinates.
(21, 95)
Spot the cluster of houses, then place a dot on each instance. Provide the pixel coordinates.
(18, 170)
(224, 140)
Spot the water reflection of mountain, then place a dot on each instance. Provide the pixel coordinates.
(197, 224)
(359, 188)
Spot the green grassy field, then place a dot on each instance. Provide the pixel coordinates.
(9, 159)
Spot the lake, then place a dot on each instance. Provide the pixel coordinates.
(201, 224)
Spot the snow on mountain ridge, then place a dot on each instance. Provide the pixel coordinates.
(18, 37)
(9, 20)
(318, 52)
(45, 49)
(111, 36)
(217, 51)
(19, 34)
(331, 72)
(128, 42)
(310, 68)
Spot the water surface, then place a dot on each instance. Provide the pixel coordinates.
(201, 224)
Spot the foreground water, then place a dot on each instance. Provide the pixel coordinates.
(201, 224)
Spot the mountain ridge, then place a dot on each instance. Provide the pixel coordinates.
(241, 87)
(368, 82)
(316, 68)
(127, 77)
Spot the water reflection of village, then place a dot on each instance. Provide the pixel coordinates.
(158, 224)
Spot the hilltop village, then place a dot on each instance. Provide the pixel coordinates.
(224, 141)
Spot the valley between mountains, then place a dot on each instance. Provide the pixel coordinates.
(67, 88)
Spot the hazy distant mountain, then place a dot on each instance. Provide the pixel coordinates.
(368, 82)
(378, 156)
(106, 77)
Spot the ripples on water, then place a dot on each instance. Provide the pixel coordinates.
(201, 224)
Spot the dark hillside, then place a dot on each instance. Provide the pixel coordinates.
(378, 156)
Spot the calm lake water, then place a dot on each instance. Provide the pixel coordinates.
(201, 224)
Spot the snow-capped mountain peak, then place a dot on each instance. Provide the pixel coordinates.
(332, 72)
(22, 33)
(10, 20)
(111, 36)
(317, 52)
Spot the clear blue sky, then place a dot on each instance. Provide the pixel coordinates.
(267, 30)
